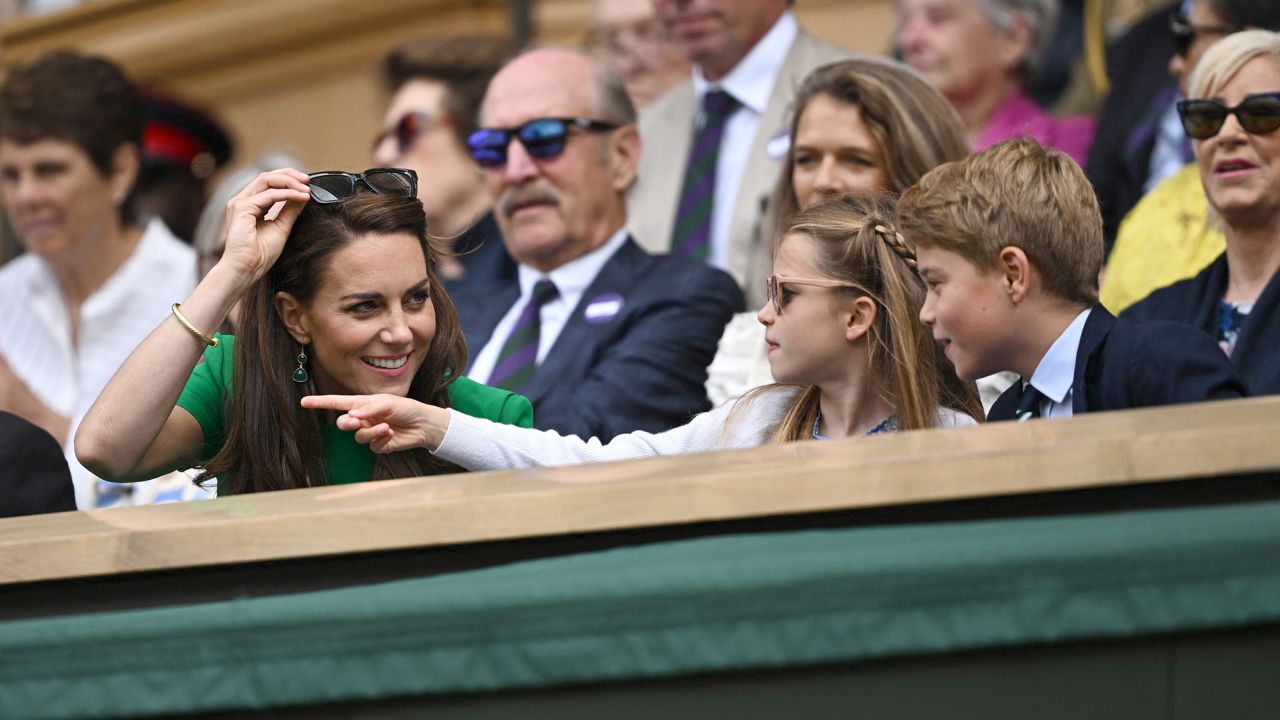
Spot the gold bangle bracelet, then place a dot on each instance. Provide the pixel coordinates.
(210, 341)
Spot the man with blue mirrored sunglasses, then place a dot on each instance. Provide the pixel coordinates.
(542, 138)
(602, 337)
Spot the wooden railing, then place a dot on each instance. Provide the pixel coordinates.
(1005, 459)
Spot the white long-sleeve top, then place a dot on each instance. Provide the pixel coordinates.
(478, 444)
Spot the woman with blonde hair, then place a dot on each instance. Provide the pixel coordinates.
(1233, 120)
(844, 342)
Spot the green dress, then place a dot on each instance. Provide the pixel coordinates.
(348, 461)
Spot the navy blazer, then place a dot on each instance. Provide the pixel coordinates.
(1198, 301)
(1123, 364)
(644, 368)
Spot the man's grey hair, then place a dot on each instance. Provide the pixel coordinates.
(1041, 17)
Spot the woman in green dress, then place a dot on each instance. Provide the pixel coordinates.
(337, 293)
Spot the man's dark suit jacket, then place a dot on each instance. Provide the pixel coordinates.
(1123, 364)
(644, 368)
(1141, 90)
(483, 256)
(34, 477)
(1198, 301)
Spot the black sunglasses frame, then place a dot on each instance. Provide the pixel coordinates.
(1184, 33)
(543, 148)
(1247, 120)
(355, 179)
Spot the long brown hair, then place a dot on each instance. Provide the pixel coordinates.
(856, 241)
(272, 443)
(914, 126)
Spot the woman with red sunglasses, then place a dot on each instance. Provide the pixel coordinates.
(1233, 119)
(338, 293)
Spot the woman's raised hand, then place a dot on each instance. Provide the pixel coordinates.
(386, 423)
(254, 240)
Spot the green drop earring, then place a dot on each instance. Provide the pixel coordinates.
(300, 375)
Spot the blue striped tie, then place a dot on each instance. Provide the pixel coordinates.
(518, 357)
(691, 236)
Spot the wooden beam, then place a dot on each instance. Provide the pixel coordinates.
(1094, 451)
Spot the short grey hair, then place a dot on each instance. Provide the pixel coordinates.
(1041, 17)
(1225, 58)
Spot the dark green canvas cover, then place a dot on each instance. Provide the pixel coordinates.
(695, 606)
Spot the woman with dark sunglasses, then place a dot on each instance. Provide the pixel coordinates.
(845, 341)
(1169, 234)
(1233, 119)
(338, 294)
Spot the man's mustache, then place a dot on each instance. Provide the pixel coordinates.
(516, 198)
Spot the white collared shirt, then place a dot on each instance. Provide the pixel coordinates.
(571, 280)
(751, 83)
(35, 328)
(1057, 370)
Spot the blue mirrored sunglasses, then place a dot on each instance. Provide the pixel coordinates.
(334, 186)
(542, 138)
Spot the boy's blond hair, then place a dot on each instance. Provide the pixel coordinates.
(1017, 194)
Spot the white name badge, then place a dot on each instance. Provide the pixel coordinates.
(602, 309)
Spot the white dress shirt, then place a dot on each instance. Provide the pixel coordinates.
(751, 83)
(35, 328)
(1057, 370)
(571, 280)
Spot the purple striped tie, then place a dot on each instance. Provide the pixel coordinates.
(691, 236)
(518, 357)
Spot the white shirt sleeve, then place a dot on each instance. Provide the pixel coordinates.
(478, 444)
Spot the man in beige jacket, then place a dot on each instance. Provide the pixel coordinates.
(756, 53)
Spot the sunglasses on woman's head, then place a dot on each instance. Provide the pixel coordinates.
(543, 138)
(334, 186)
(1258, 114)
(1184, 33)
(407, 130)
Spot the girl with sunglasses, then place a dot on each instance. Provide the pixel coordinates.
(1234, 122)
(866, 126)
(844, 343)
(338, 294)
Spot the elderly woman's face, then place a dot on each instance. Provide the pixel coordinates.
(1241, 171)
(956, 47)
(371, 321)
(60, 205)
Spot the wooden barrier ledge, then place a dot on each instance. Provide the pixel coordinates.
(1096, 451)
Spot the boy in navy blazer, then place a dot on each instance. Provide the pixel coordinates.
(1009, 243)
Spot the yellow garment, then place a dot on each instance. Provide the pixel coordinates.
(1167, 237)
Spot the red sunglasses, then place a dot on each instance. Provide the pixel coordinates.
(408, 129)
